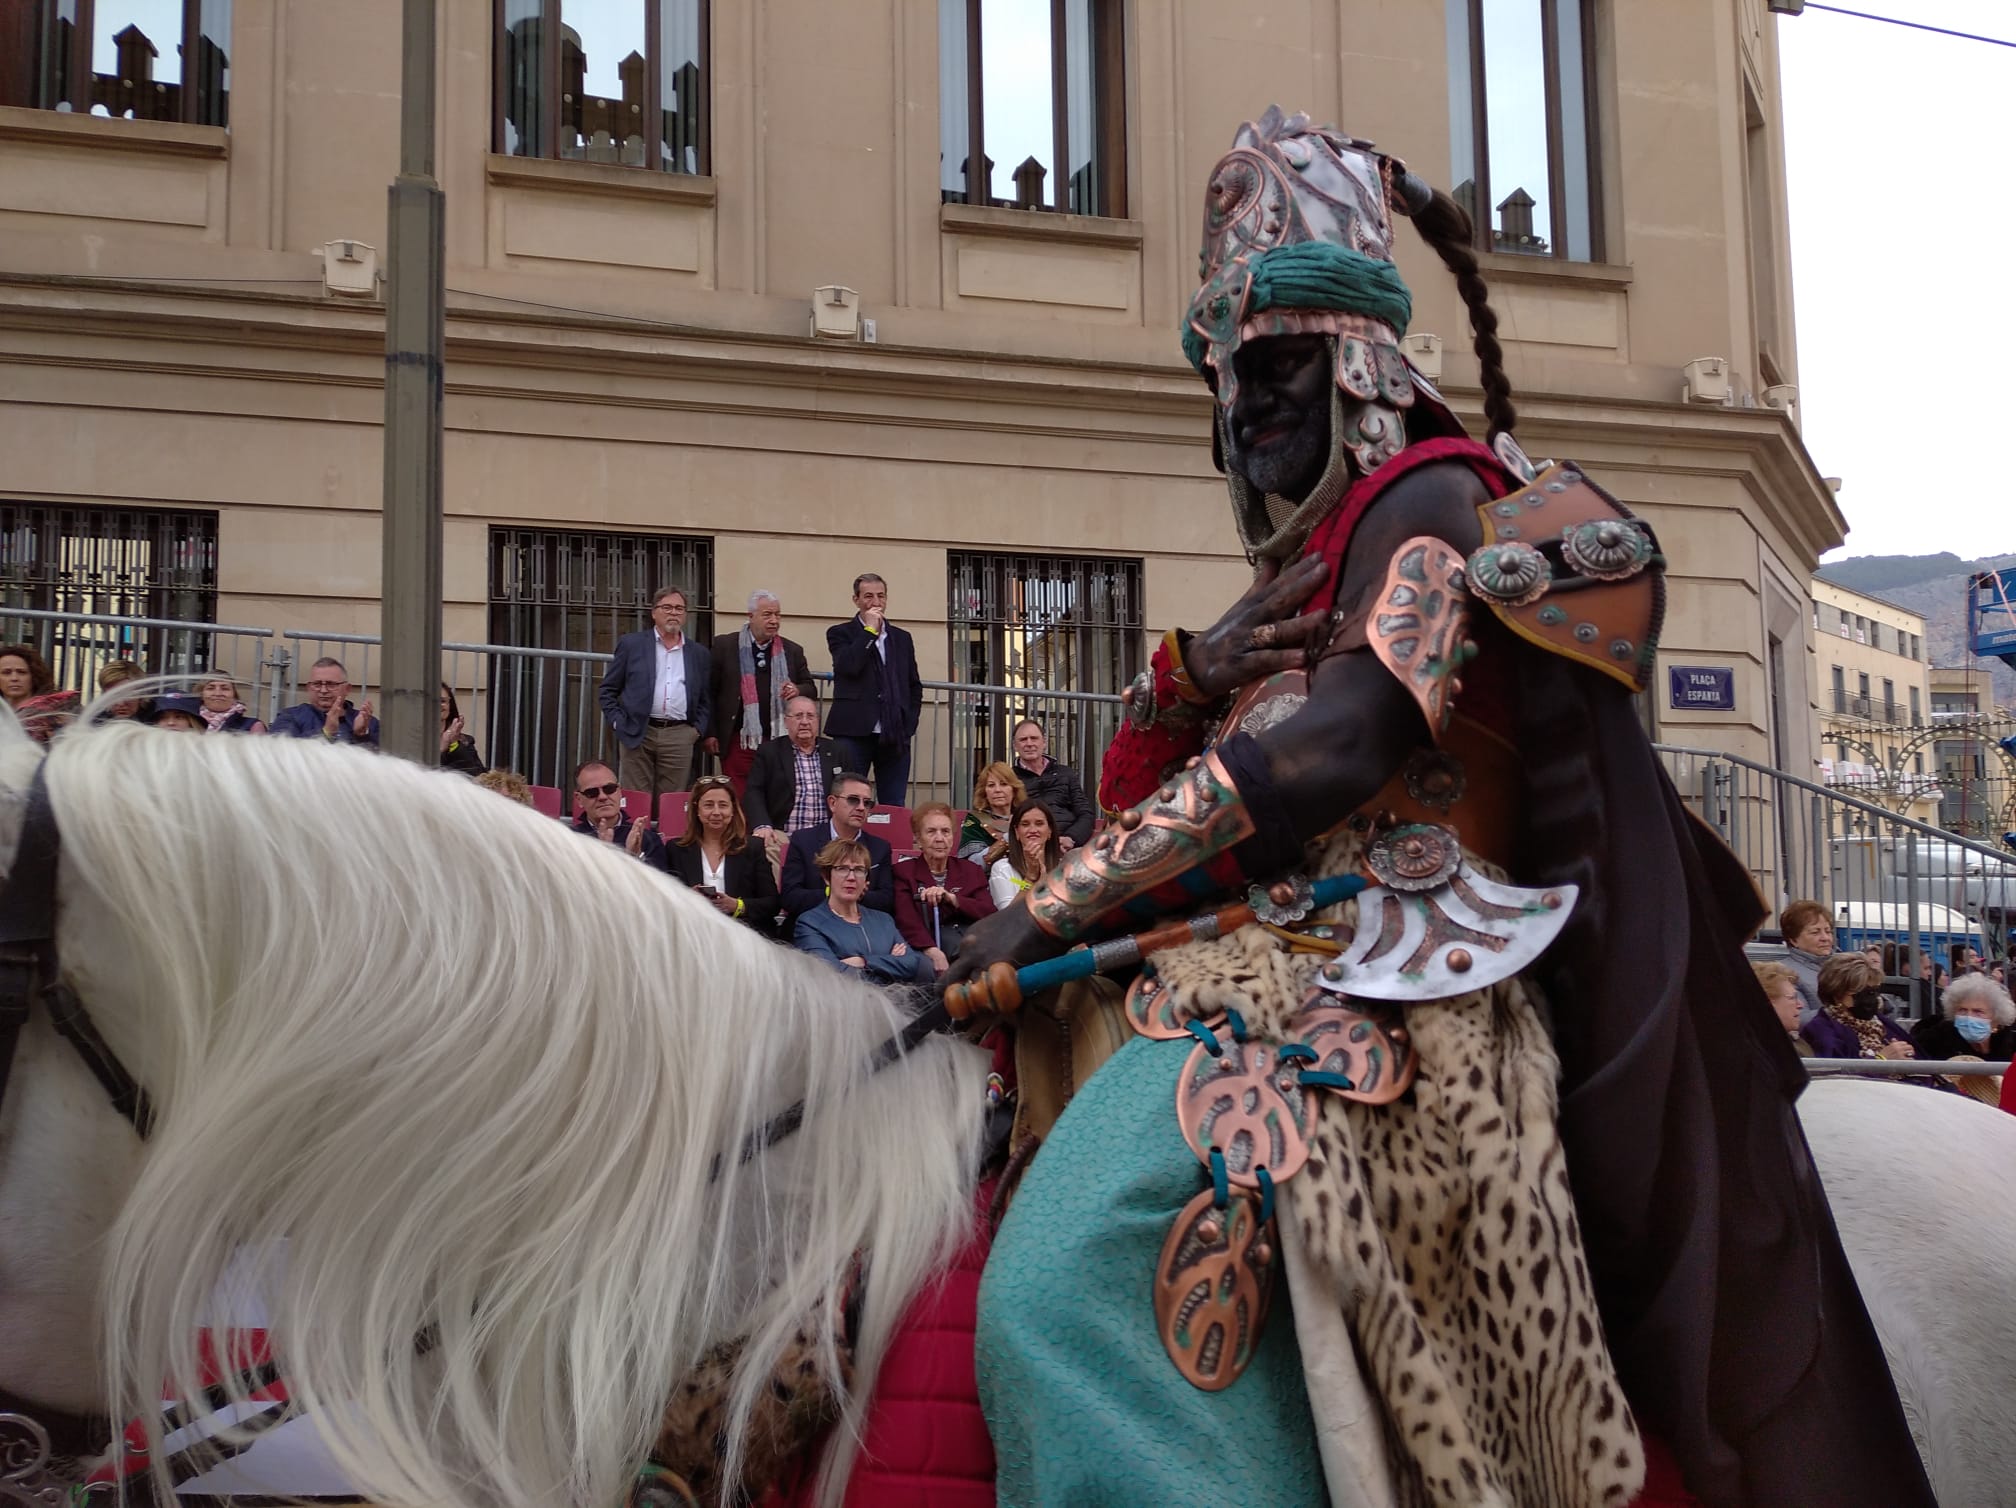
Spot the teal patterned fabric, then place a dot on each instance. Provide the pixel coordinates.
(1084, 1405)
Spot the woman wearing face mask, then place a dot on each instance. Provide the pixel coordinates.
(1852, 1022)
(1979, 1022)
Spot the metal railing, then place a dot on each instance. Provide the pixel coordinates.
(79, 645)
(1883, 877)
(537, 711)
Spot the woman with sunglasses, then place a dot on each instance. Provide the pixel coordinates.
(714, 857)
(850, 936)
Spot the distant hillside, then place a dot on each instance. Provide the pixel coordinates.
(1935, 585)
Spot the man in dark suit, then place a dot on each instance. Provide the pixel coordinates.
(877, 697)
(756, 673)
(847, 805)
(656, 699)
(598, 813)
(790, 776)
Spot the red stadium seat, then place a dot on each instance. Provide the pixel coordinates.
(549, 801)
(636, 803)
(892, 825)
(672, 813)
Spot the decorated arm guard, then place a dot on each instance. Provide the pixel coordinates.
(1205, 831)
(1165, 726)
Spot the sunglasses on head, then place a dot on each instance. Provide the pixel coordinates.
(599, 790)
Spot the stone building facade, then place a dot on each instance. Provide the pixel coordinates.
(639, 215)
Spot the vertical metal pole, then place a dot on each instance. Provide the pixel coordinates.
(414, 341)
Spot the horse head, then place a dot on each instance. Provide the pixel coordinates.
(487, 1084)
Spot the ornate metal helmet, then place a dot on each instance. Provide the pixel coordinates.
(1298, 239)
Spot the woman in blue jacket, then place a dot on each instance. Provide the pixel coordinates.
(847, 934)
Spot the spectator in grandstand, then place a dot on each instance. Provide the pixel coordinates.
(984, 837)
(1977, 1021)
(848, 934)
(1961, 960)
(1055, 785)
(1852, 1022)
(599, 813)
(790, 776)
(656, 700)
(118, 673)
(938, 893)
(507, 783)
(1033, 849)
(328, 712)
(1999, 973)
(30, 690)
(715, 858)
(223, 710)
(849, 800)
(1926, 986)
(458, 749)
(1782, 990)
(1809, 936)
(178, 712)
(757, 671)
(877, 697)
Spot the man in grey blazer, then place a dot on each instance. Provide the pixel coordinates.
(655, 697)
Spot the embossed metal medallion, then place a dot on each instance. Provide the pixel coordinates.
(1369, 1045)
(1282, 902)
(1244, 1103)
(1418, 856)
(1213, 1283)
(1609, 549)
(1512, 574)
(1434, 778)
(1153, 1009)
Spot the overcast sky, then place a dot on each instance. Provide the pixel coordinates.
(1903, 233)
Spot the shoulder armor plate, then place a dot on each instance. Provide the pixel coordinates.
(1567, 567)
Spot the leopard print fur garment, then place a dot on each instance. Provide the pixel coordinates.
(1443, 1227)
(798, 1406)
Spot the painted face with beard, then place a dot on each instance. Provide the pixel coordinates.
(1278, 432)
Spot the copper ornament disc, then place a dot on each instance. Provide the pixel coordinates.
(1370, 1048)
(1154, 1011)
(1246, 1104)
(1211, 1295)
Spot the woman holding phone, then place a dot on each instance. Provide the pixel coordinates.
(714, 857)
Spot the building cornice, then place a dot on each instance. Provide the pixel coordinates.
(194, 329)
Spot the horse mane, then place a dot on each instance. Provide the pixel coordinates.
(485, 1082)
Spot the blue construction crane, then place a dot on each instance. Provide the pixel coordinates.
(1991, 615)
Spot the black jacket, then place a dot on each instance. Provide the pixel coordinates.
(725, 692)
(745, 875)
(1935, 1037)
(805, 887)
(857, 681)
(1061, 791)
(773, 782)
(461, 756)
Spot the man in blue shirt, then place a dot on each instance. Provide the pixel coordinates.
(328, 712)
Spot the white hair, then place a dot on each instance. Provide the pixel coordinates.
(760, 595)
(1982, 990)
(504, 1114)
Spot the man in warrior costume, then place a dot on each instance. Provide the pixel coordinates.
(1514, 1127)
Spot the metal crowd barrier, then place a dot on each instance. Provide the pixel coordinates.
(79, 645)
(1900, 1068)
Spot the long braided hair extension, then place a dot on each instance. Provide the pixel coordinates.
(1445, 227)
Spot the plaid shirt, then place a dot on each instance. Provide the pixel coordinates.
(808, 799)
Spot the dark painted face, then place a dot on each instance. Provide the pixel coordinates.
(1278, 434)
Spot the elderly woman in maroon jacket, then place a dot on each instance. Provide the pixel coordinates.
(1852, 1022)
(937, 894)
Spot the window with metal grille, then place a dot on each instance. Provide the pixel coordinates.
(1043, 627)
(123, 564)
(1032, 106)
(140, 59)
(558, 597)
(615, 81)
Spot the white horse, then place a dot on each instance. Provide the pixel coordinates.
(1923, 1188)
(489, 1080)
